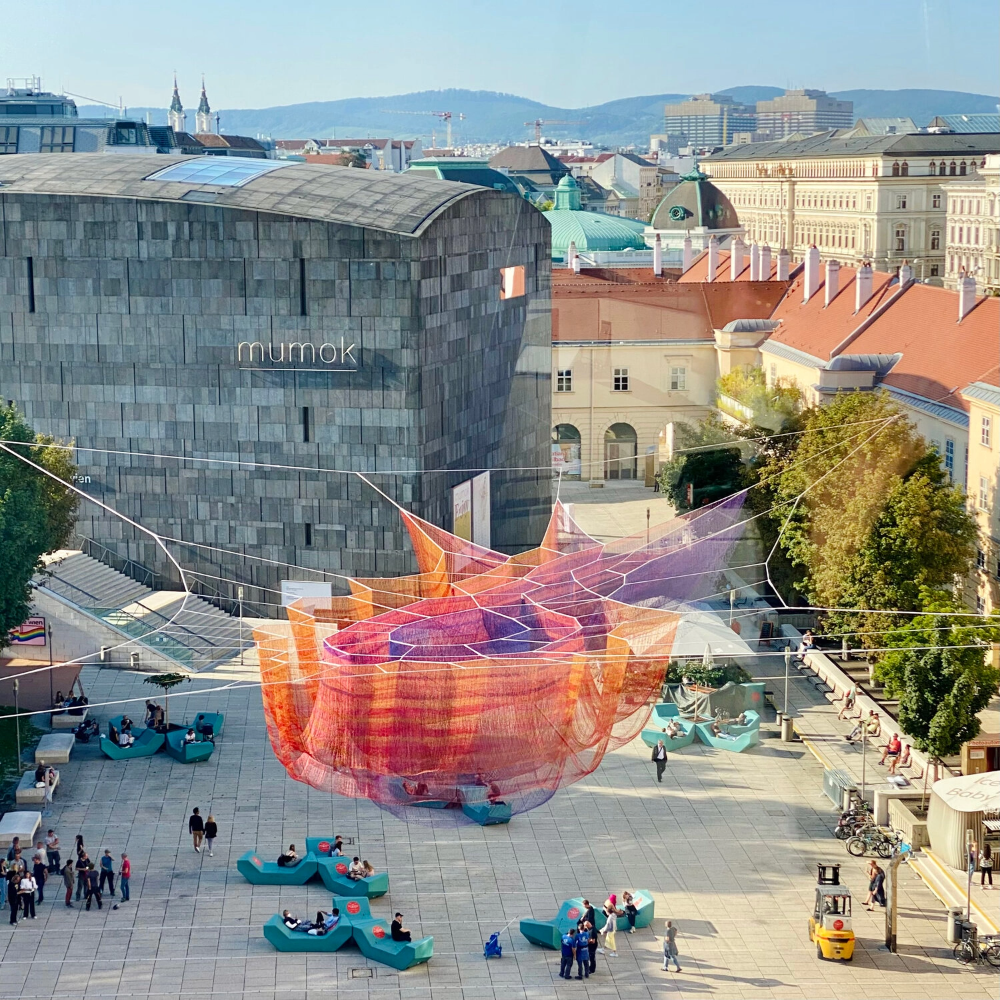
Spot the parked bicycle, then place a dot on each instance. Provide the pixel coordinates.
(970, 950)
(874, 840)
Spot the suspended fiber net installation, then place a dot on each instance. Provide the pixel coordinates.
(502, 678)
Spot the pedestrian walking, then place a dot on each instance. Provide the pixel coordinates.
(40, 872)
(69, 877)
(568, 943)
(52, 849)
(93, 887)
(82, 867)
(660, 759)
(211, 832)
(124, 874)
(196, 827)
(582, 951)
(26, 890)
(108, 872)
(670, 946)
(986, 866)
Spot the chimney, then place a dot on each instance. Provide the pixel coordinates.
(832, 280)
(863, 286)
(811, 285)
(688, 254)
(571, 256)
(782, 265)
(713, 258)
(905, 274)
(754, 262)
(765, 263)
(576, 263)
(657, 256)
(736, 258)
(966, 295)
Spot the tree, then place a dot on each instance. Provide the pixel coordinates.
(37, 514)
(712, 472)
(773, 406)
(166, 681)
(940, 674)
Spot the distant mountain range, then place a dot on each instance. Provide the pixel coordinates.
(494, 117)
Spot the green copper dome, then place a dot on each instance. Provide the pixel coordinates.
(589, 230)
(695, 202)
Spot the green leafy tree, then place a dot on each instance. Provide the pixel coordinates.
(712, 471)
(773, 406)
(166, 682)
(36, 514)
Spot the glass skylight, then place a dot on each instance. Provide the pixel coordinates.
(227, 171)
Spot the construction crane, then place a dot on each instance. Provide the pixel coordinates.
(445, 116)
(539, 122)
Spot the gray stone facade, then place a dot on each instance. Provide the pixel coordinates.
(121, 323)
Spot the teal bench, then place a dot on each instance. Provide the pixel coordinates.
(740, 737)
(147, 742)
(548, 933)
(258, 872)
(213, 719)
(646, 907)
(663, 714)
(314, 845)
(477, 806)
(374, 939)
(333, 872)
(285, 939)
(187, 753)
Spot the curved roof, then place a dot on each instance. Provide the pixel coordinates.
(399, 203)
(593, 231)
(692, 203)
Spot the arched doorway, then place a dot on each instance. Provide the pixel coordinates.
(620, 450)
(566, 451)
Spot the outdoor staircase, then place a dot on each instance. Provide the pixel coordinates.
(200, 636)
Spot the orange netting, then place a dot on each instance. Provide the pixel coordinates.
(514, 673)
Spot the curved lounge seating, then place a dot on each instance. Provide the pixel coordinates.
(284, 939)
(663, 714)
(548, 933)
(259, 872)
(646, 906)
(333, 872)
(314, 846)
(372, 937)
(187, 753)
(147, 742)
(478, 807)
(740, 737)
(213, 719)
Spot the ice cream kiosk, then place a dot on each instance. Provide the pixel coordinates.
(830, 923)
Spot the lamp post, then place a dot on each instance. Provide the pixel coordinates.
(239, 597)
(788, 666)
(17, 721)
(864, 755)
(48, 628)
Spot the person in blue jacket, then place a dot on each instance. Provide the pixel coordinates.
(583, 953)
(566, 965)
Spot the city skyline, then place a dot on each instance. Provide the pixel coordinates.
(391, 48)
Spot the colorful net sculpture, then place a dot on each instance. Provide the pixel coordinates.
(486, 677)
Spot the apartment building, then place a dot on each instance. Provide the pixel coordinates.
(803, 111)
(707, 120)
(983, 399)
(973, 226)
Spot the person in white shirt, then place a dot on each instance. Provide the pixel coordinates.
(26, 890)
(356, 870)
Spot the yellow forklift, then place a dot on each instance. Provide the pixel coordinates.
(830, 923)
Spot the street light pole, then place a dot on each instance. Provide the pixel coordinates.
(864, 755)
(239, 597)
(17, 721)
(788, 664)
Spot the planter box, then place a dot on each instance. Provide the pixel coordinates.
(913, 829)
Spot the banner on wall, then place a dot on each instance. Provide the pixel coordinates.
(461, 510)
(566, 458)
(292, 590)
(481, 510)
(29, 633)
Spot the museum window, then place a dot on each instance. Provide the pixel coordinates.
(309, 533)
(564, 380)
(935, 201)
(935, 239)
(620, 383)
(961, 169)
(305, 424)
(895, 170)
(56, 139)
(511, 282)
(984, 493)
(953, 168)
(986, 432)
(678, 379)
(949, 456)
(8, 139)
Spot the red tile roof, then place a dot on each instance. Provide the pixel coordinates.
(698, 271)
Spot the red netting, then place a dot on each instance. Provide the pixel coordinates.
(482, 673)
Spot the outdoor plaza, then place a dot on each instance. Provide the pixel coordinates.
(727, 845)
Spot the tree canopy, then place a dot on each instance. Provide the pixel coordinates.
(37, 514)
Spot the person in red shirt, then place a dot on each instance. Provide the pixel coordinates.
(124, 874)
(892, 749)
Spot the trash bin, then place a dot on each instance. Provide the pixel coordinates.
(787, 733)
(956, 917)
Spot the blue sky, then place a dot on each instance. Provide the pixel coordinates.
(570, 53)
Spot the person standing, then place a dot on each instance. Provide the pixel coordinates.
(592, 945)
(13, 899)
(93, 887)
(82, 867)
(124, 874)
(52, 849)
(26, 890)
(670, 946)
(3, 881)
(68, 879)
(40, 871)
(611, 927)
(986, 866)
(582, 952)
(108, 872)
(196, 827)
(568, 942)
(660, 759)
(211, 832)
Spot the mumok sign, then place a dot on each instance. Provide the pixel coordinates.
(296, 355)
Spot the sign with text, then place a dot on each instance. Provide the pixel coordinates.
(461, 510)
(29, 633)
(481, 509)
(298, 356)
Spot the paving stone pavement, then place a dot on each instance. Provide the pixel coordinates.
(727, 844)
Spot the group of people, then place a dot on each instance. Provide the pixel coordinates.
(582, 943)
(46, 777)
(23, 883)
(323, 924)
(154, 715)
(122, 737)
(75, 705)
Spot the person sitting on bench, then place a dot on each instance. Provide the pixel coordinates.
(126, 739)
(356, 871)
(289, 859)
(806, 645)
(112, 733)
(397, 931)
(324, 923)
(368, 870)
(190, 736)
(206, 729)
(338, 847)
(290, 920)
(673, 729)
(126, 724)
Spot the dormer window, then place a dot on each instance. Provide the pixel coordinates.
(895, 170)
(904, 170)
